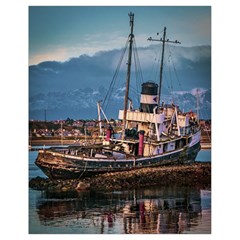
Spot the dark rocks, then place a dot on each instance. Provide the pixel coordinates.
(182, 175)
(39, 183)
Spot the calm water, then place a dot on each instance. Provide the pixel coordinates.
(168, 209)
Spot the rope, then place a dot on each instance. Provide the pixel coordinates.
(83, 170)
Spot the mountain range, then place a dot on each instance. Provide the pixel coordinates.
(73, 88)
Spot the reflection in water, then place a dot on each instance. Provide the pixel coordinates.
(154, 210)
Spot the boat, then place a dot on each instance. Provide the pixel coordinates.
(155, 134)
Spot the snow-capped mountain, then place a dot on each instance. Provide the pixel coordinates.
(82, 103)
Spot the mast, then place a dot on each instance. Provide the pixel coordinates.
(161, 66)
(130, 37)
(99, 118)
(163, 40)
(198, 105)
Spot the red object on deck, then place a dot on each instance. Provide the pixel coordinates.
(109, 133)
(141, 140)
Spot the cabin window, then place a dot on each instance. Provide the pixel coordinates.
(182, 143)
(164, 147)
(177, 144)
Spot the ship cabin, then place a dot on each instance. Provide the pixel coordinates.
(164, 128)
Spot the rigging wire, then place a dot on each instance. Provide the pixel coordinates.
(167, 76)
(138, 75)
(157, 72)
(171, 62)
(175, 71)
(205, 113)
(204, 110)
(138, 70)
(170, 72)
(152, 72)
(112, 84)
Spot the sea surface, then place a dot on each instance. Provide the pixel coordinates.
(152, 210)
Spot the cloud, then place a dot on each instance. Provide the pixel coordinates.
(55, 54)
(91, 44)
(192, 65)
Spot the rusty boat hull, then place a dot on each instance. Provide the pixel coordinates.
(65, 166)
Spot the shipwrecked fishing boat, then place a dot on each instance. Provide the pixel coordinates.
(154, 134)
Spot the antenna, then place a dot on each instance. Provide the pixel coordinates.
(163, 40)
(61, 132)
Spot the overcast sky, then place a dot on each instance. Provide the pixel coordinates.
(59, 33)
